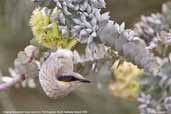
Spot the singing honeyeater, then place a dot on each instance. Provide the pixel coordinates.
(56, 75)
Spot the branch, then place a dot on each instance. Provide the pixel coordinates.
(129, 46)
(12, 82)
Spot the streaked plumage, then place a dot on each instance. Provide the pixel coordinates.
(59, 64)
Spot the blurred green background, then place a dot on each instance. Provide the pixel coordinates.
(15, 35)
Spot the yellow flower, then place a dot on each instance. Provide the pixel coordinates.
(129, 91)
(126, 69)
(47, 33)
(125, 86)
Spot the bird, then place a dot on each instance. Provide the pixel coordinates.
(57, 77)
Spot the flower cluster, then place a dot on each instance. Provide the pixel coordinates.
(46, 31)
(150, 26)
(125, 85)
(81, 19)
(150, 105)
(155, 31)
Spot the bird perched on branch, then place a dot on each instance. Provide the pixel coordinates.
(56, 75)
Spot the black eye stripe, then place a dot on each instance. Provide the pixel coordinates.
(70, 78)
(67, 78)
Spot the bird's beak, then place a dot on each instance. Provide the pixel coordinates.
(84, 81)
(80, 78)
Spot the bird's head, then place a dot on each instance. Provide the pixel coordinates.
(65, 53)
